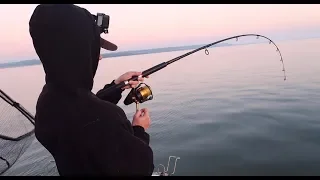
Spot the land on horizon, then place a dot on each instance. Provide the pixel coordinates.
(32, 62)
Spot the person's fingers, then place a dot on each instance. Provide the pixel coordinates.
(138, 113)
(129, 75)
(140, 79)
(133, 83)
(145, 112)
(133, 73)
(100, 57)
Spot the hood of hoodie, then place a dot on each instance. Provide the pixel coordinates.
(67, 41)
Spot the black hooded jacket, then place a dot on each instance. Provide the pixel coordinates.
(87, 134)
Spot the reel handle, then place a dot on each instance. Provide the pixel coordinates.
(137, 106)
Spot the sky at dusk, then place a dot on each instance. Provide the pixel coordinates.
(141, 26)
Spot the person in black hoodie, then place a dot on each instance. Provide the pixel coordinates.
(87, 134)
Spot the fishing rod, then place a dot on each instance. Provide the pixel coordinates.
(141, 93)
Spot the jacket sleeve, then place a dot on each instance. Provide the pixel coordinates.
(113, 97)
(117, 151)
(140, 133)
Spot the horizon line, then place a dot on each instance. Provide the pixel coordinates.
(5, 65)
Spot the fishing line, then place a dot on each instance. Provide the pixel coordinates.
(143, 93)
(138, 95)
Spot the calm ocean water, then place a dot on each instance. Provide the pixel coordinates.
(229, 113)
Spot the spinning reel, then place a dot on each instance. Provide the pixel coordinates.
(140, 94)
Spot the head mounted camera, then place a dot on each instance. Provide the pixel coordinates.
(102, 22)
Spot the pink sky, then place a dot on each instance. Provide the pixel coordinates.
(143, 26)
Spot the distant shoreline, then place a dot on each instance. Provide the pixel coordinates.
(33, 62)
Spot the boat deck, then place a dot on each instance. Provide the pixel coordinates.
(36, 161)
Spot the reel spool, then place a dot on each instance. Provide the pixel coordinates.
(140, 94)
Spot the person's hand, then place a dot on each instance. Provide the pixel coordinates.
(142, 118)
(128, 75)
